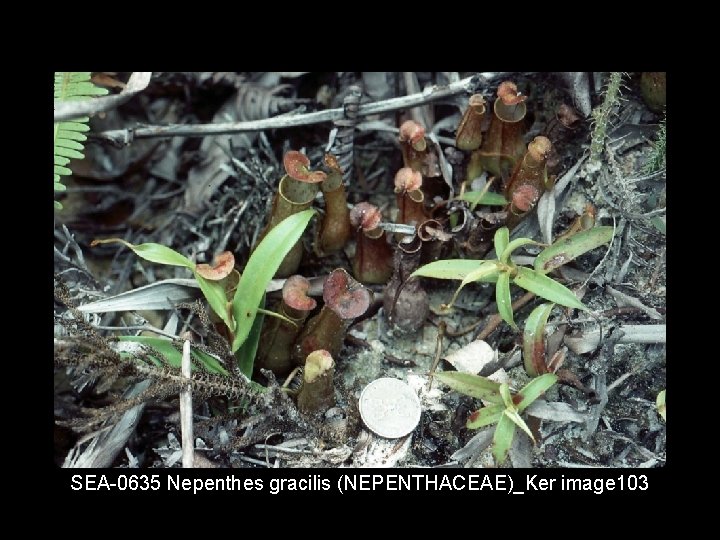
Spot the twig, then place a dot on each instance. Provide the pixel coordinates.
(236, 220)
(438, 354)
(621, 379)
(186, 419)
(621, 297)
(290, 377)
(126, 136)
(463, 331)
(656, 272)
(495, 320)
(65, 110)
(143, 327)
(598, 368)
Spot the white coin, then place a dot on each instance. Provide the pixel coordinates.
(389, 408)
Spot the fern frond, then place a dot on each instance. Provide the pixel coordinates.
(69, 136)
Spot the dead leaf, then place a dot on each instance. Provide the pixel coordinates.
(106, 80)
(473, 357)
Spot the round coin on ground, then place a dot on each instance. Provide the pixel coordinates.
(389, 408)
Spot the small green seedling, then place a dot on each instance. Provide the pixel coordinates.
(503, 407)
(503, 272)
(241, 314)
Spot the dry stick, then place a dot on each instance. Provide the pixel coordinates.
(495, 320)
(126, 136)
(65, 110)
(290, 377)
(186, 419)
(463, 331)
(438, 352)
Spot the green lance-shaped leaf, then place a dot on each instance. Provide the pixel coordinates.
(512, 246)
(534, 340)
(543, 286)
(156, 253)
(567, 249)
(485, 416)
(519, 422)
(501, 240)
(534, 389)
(471, 385)
(503, 437)
(487, 272)
(506, 396)
(487, 198)
(260, 269)
(174, 356)
(503, 298)
(246, 353)
(448, 269)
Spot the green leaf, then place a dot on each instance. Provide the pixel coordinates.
(59, 187)
(84, 88)
(67, 152)
(488, 198)
(485, 416)
(72, 135)
(174, 356)
(506, 397)
(261, 267)
(247, 351)
(448, 269)
(515, 417)
(547, 288)
(512, 246)
(660, 404)
(567, 249)
(156, 253)
(534, 340)
(67, 143)
(214, 293)
(501, 240)
(58, 205)
(534, 389)
(75, 125)
(61, 170)
(60, 160)
(487, 271)
(502, 439)
(471, 385)
(503, 298)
